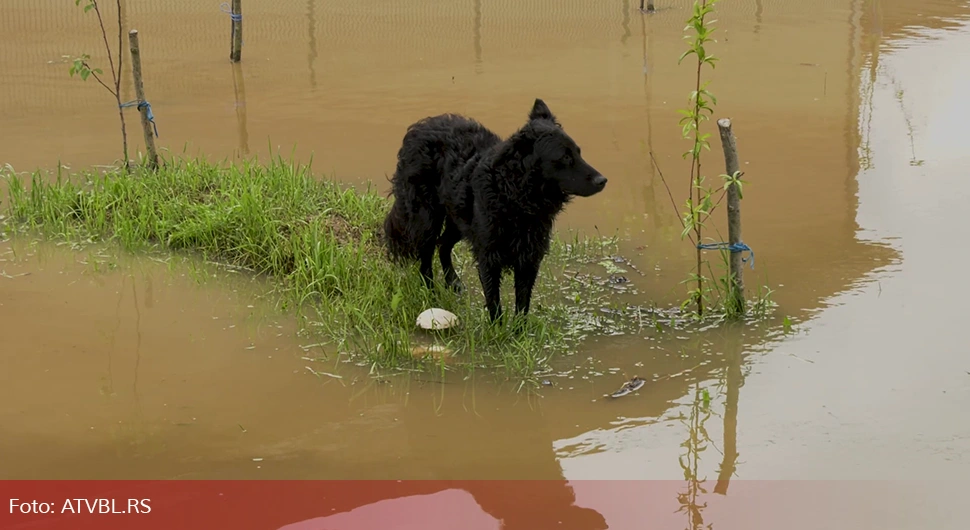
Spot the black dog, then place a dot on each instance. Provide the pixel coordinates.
(500, 195)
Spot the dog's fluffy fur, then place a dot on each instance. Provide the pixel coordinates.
(502, 196)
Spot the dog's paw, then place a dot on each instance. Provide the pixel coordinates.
(457, 287)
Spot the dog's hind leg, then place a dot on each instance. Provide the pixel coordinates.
(525, 279)
(491, 278)
(431, 224)
(447, 243)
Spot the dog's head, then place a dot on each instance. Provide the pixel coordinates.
(558, 158)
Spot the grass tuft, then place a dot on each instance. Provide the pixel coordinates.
(321, 244)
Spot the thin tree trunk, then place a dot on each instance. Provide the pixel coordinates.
(121, 114)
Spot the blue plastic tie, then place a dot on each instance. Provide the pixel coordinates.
(225, 8)
(148, 107)
(736, 247)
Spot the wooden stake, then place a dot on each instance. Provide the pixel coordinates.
(143, 107)
(733, 210)
(240, 91)
(236, 53)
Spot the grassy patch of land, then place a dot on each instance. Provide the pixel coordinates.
(321, 244)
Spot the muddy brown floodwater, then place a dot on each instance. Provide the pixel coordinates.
(850, 118)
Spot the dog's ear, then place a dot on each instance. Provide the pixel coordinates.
(540, 111)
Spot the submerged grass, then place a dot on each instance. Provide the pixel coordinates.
(321, 243)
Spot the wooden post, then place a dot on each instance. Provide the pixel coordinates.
(650, 8)
(143, 107)
(236, 53)
(733, 211)
(240, 89)
(312, 40)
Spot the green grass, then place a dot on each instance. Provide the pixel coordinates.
(320, 243)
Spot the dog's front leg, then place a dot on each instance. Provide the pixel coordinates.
(449, 238)
(491, 277)
(525, 279)
(426, 256)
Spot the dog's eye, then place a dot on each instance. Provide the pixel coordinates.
(566, 160)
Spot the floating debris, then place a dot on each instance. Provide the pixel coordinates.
(611, 267)
(318, 373)
(620, 260)
(435, 318)
(629, 387)
(435, 350)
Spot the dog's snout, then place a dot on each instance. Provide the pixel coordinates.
(599, 181)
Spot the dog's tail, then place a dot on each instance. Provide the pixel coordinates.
(414, 222)
(410, 224)
(398, 233)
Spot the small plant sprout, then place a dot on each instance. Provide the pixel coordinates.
(81, 66)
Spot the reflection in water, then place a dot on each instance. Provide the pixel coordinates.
(149, 293)
(733, 380)
(430, 504)
(866, 112)
(696, 443)
(900, 95)
(134, 384)
(626, 22)
(875, 18)
(858, 156)
(108, 389)
(535, 504)
(868, 82)
(239, 88)
(478, 36)
(514, 477)
(759, 9)
(312, 42)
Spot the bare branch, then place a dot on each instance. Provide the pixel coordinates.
(721, 198)
(104, 35)
(669, 194)
(98, 79)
